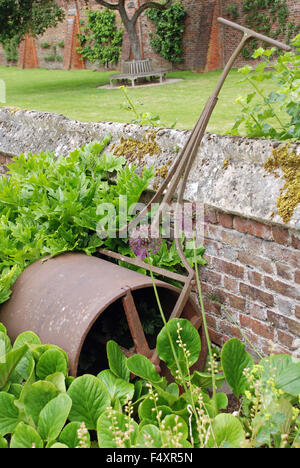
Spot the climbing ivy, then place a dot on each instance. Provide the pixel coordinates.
(100, 39)
(167, 39)
(10, 48)
(268, 17)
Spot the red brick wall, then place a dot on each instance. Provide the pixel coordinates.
(207, 45)
(254, 271)
(27, 53)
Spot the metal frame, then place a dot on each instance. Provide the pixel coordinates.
(179, 172)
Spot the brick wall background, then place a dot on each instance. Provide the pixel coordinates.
(207, 45)
(253, 270)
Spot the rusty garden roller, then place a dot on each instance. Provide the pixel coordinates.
(65, 298)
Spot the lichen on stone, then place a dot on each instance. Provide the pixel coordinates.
(288, 161)
(135, 150)
(161, 172)
(226, 163)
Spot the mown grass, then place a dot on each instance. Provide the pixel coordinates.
(77, 95)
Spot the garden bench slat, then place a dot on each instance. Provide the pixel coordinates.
(137, 69)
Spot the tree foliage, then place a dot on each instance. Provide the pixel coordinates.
(27, 16)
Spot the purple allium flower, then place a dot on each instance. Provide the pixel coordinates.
(144, 242)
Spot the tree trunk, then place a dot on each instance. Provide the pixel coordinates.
(134, 41)
(132, 34)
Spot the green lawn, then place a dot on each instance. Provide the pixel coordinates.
(75, 94)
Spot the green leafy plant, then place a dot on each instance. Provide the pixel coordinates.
(101, 40)
(141, 118)
(41, 406)
(45, 45)
(130, 405)
(260, 116)
(10, 47)
(49, 206)
(167, 39)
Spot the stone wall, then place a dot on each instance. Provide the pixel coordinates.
(253, 257)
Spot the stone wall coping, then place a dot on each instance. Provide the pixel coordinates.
(228, 173)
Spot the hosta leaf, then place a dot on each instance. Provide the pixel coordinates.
(143, 367)
(117, 361)
(50, 362)
(234, 361)
(90, 399)
(115, 429)
(179, 329)
(26, 436)
(9, 414)
(117, 388)
(53, 417)
(3, 443)
(9, 362)
(36, 398)
(149, 437)
(227, 432)
(69, 435)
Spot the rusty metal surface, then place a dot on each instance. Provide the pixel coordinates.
(60, 300)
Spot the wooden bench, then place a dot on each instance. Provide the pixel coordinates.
(134, 69)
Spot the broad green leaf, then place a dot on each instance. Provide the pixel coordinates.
(9, 414)
(285, 370)
(90, 399)
(27, 337)
(36, 398)
(11, 360)
(58, 379)
(227, 432)
(173, 389)
(148, 409)
(25, 366)
(176, 426)
(26, 436)
(116, 430)
(58, 445)
(289, 380)
(117, 361)
(69, 435)
(15, 389)
(117, 388)
(278, 421)
(3, 443)
(50, 362)
(187, 353)
(53, 417)
(204, 379)
(149, 436)
(5, 345)
(235, 360)
(142, 367)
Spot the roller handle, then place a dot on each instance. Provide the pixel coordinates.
(251, 33)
